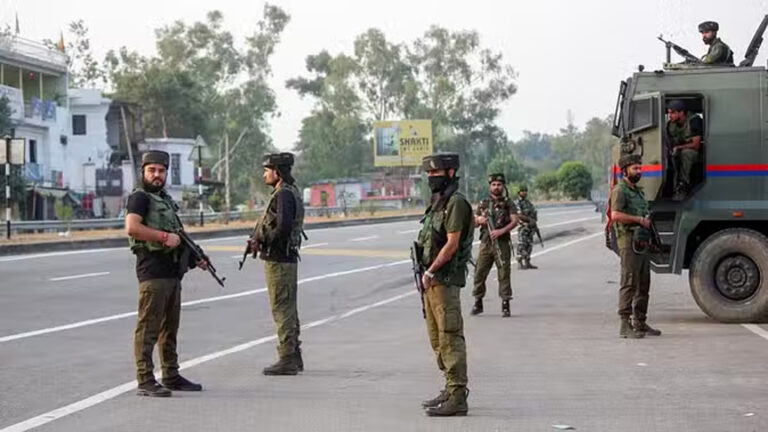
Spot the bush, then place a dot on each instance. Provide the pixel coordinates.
(574, 179)
(546, 183)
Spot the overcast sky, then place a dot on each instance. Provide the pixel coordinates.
(569, 54)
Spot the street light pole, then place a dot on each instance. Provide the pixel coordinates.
(8, 187)
(200, 181)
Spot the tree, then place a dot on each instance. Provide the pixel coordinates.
(597, 141)
(575, 179)
(505, 163)
(546, 183)
(84, 69)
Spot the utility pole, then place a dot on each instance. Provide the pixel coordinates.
(226, 169)
(8, 187)
(200, 181)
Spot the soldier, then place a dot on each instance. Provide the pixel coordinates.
(495, 246)
(719, 53)
(445, 242)
(277, 240)
(151, 224)
(685, 131)
(629, 211)
(528, 216)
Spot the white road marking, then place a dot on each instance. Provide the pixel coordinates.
(94, 321)
(129, 386)
(409, 231)
(756, 329)
(112, 393)
(313, 245)
(359, 239)
(80, 276)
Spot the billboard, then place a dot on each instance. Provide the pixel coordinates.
(401, 143)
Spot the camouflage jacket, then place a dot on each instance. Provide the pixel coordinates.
(499, 211)
(718, 54)
(526, 208)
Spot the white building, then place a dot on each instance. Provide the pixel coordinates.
(181, 172)
(65, 130)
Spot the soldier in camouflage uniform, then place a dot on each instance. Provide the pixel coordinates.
(151, 224)
(277, 240)
(629, 211)
(719, 54)
(495, 246)
(445, 246)
(528, 217)
(685, 131)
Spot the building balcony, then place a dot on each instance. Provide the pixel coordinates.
(28, 53)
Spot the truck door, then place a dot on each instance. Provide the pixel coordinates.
(644, 136)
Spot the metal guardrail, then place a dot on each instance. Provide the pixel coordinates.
(187, 218)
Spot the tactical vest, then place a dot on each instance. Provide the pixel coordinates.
(526, 208)
(161, 216)
(636, 206)
(268, 223)
(433, 236)
(680, 134)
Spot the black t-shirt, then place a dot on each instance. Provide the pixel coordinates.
(278, 241)
(697, 126)
(150, 265)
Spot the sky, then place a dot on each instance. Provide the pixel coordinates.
(570, 55)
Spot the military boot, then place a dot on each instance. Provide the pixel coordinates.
(627, 331)
(437, 400)
(505, 308)
(642, 327)
(478, 307)
(455, 405)
(528, 265)
(179, 383)
(287, 365)
(152, 389)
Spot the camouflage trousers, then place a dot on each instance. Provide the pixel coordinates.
(635, 282)
(157, 323)
(686, 161)
(282, 288)
(524, 243)
(445, 327)
(486, 258)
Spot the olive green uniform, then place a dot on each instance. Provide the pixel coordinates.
(527, 229)
(499, 210)
(442, 304)
(718, 54)
(635, 268)
(685, 160)
(280, 255)
(159, 270)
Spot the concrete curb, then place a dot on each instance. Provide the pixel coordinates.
(111, 242)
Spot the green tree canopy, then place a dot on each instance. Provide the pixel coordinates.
(574, 179)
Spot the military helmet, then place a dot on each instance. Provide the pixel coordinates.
(155, 157)
(499, 177)
(523, 188)
(676, 105)
(708, 26)
(440, 161)
(630, 159)
(278, 159)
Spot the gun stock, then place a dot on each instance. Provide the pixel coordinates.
(199, 255)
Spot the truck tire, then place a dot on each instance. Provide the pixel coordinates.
(729, 276)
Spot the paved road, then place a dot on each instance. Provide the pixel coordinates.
(66, 364)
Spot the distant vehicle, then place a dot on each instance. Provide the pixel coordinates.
(719, 230)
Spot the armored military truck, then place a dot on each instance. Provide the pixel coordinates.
(719, 229)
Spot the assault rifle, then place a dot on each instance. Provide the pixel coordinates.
(418, 273)
(490, 227)
(199, 255)
(684, 53)
(251, 239)
(538, 234)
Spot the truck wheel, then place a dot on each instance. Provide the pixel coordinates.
(729, 276)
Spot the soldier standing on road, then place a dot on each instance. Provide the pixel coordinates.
(502, 211)
(719, 53)
(685, 131)
(446, 244)
(528, 217)
(277, 241)
(629, 211)
(151, 223)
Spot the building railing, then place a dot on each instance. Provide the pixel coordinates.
(33, 49)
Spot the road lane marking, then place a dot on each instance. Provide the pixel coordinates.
(756, 329)
(409, 231)
(80, 276)
(359, 239)
(314, 245)
(114, 392)
(94, 321)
